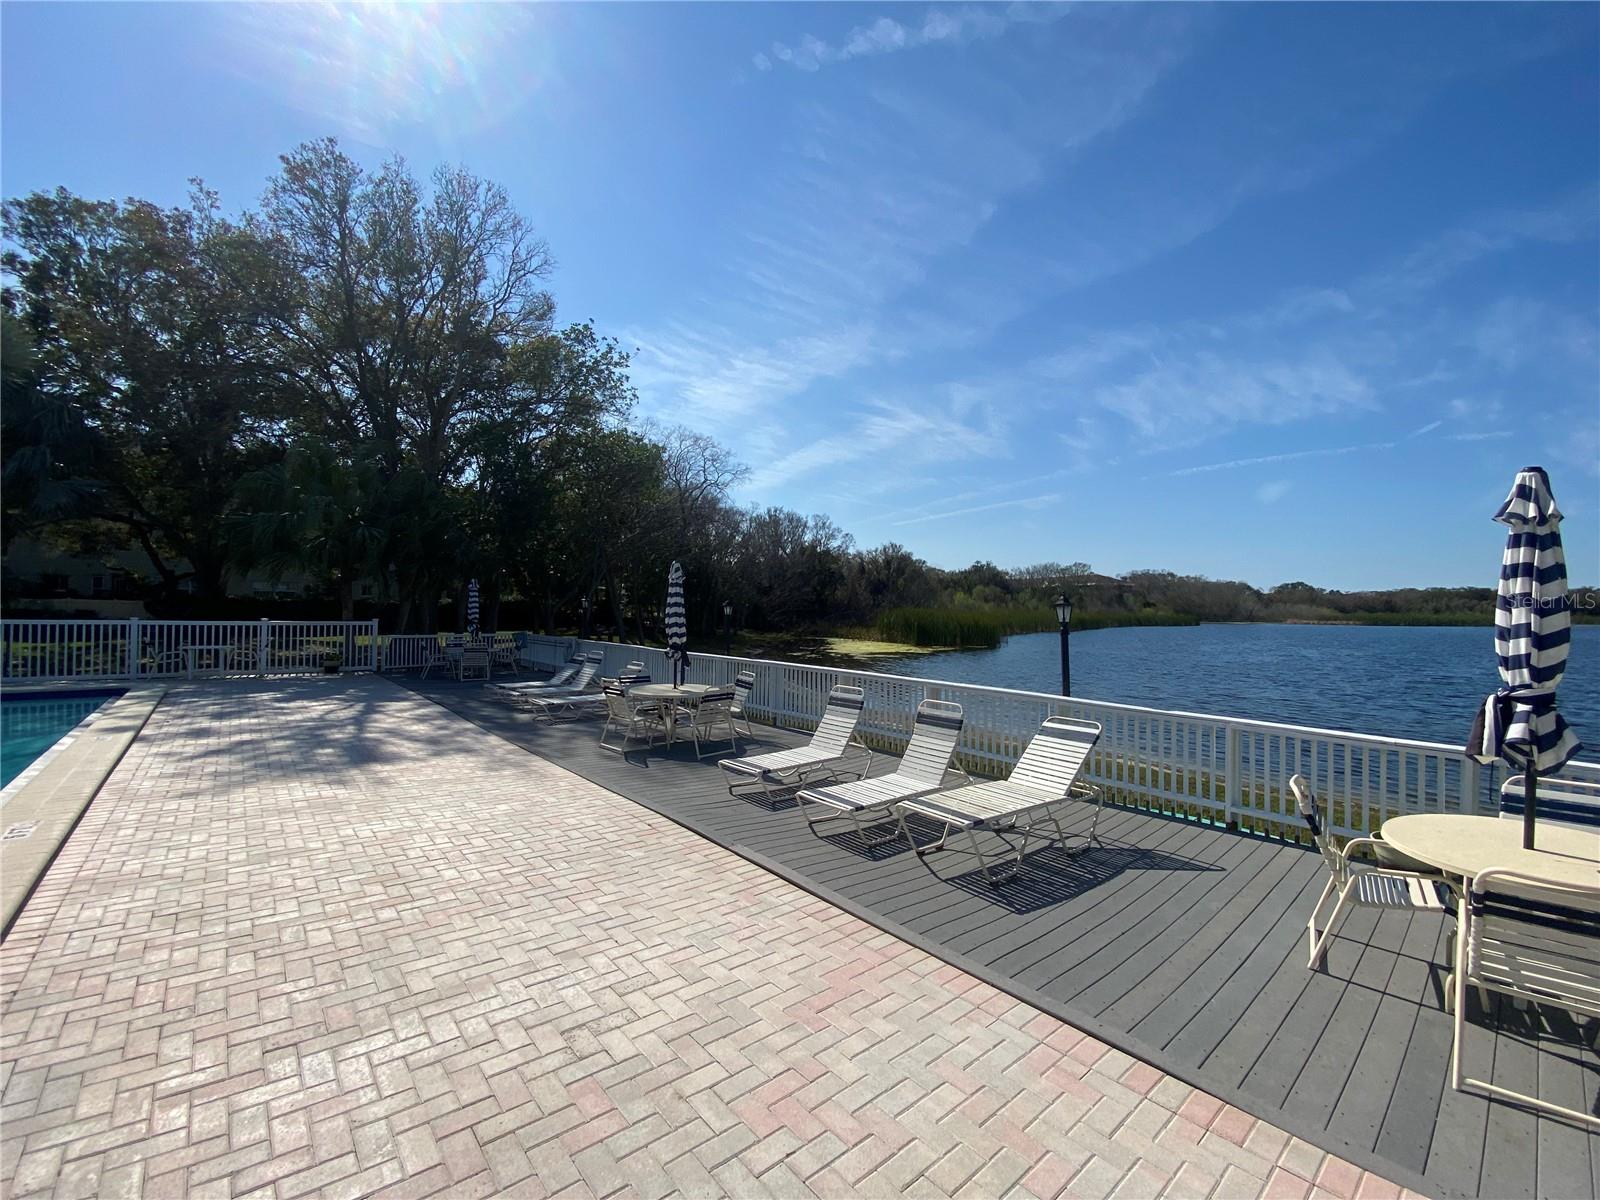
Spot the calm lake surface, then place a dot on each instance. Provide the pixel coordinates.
(1402, 682)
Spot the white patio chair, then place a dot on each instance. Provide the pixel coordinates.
(869, 802)
(1044, 780)
(504, 652)
(834, 750)
(743, 687)
(434, 657)
(636, 667)
(1532, 939)
(474, 660)
(1574, 803)
(713, 711)
(634, 717)
(1358, 884)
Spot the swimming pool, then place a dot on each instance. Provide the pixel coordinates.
(31, 724)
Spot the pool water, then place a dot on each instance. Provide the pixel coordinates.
(30, 725)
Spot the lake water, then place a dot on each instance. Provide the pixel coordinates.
(1398, 681)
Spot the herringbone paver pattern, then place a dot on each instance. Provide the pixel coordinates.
(326, 938)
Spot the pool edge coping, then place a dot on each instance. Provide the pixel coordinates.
(51, 795)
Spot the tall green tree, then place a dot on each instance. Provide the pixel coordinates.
(320, 512)
(152, 326)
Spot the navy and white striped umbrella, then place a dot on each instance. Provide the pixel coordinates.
(1532, 634)
(677, 625)
(472, 607)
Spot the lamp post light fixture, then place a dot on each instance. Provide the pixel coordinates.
(727, 627)
(583, 630)
(1064, 615)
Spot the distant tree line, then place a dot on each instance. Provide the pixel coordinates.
(362, 382)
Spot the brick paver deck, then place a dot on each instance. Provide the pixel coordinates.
(327, 938)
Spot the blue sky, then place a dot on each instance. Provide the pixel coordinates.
(1276, 292)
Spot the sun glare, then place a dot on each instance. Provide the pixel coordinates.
(368, 68)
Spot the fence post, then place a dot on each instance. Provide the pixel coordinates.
(263, 646)
(1231, 775)
(134, 643)
(372, 644)
(1471, 784)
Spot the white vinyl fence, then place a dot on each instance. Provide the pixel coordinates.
(138, 649)
(1222, 769)
(1194, 765)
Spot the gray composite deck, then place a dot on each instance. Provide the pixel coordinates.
(1184, 945)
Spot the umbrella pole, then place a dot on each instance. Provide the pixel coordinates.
(1530, 784)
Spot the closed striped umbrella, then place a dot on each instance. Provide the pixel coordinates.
(1532, 634)
(472, 607)
(677, 625)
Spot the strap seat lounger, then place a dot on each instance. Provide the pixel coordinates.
(834, 750)
(571, 705)
(1044, 779)
(580, 680)
(869, 802)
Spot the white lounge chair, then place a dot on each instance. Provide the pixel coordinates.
(1044, 779)
(1531, 938)
(869, 802)
(551, 707)
(834, 749)
(582, 678)
(1356, 884)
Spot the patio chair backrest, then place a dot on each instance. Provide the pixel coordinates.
(475, 656)
(839, 719)
(714, 705)
(1311, 813)
(743, 686)
(1534, 938)
(1571, 802)
(630, 679)
(586, 674)
(1056, 755)
(566, 673)
(617, 702)
(933, 740)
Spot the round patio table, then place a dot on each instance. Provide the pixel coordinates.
(1467, 846)
(671, 696)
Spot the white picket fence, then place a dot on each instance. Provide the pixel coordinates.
(139, 649)
(1195, 765)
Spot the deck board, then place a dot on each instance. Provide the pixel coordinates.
(1184, 944)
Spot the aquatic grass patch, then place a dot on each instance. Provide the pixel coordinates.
(985, 628)
(962, 628)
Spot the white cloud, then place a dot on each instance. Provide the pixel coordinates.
(1428, 428)
(906, 434)
(1273, 491)
(1022, 502)
(887, 36)
(1288, 456)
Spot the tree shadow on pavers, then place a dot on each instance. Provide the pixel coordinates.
(337, 748)
(1050, 875)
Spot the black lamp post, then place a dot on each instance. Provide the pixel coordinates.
(1064, 615)
(584, 630)
(727, 627)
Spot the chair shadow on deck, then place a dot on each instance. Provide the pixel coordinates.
(1052, 875)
